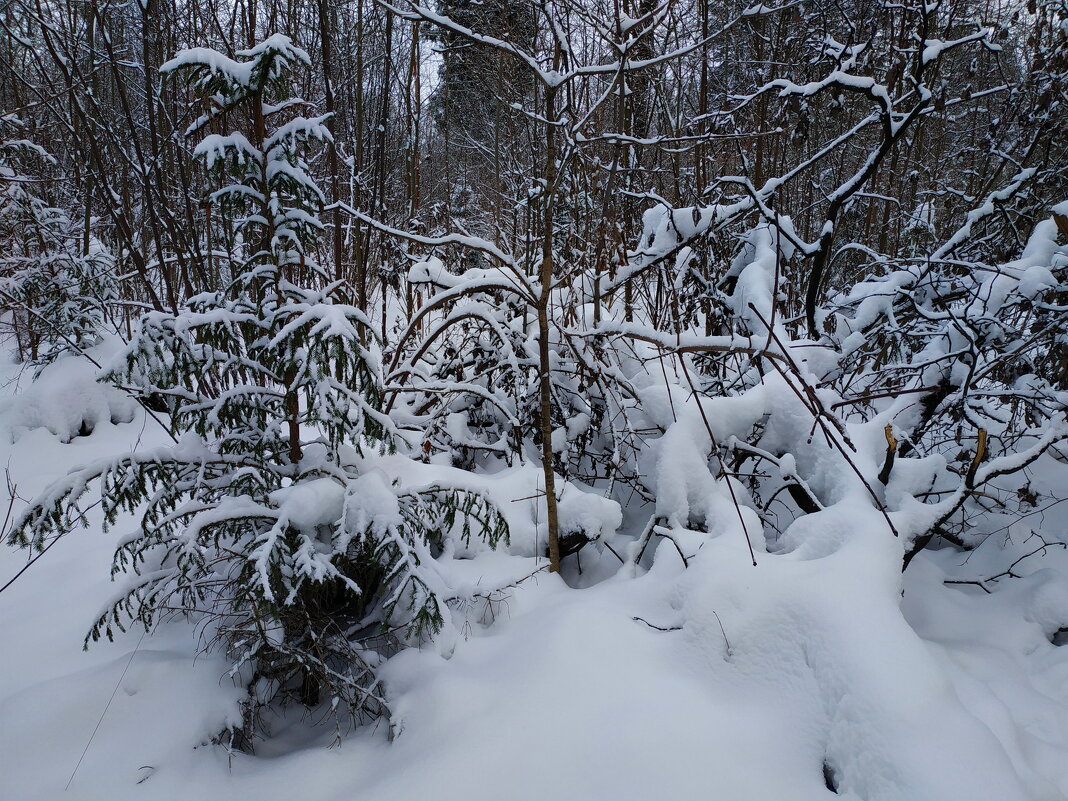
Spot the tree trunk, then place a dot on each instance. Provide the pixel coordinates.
(545, 422)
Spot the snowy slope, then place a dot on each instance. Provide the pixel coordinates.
(717, 681)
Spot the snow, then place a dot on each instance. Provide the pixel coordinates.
(238, 73)
(718, 680)
(311, 503)
(66, 401)
(431, 270)
(214, 147)
(210, 59)
(587, 513)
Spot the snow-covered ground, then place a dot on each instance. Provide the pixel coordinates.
(819, 666)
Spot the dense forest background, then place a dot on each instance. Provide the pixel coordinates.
(890, 122)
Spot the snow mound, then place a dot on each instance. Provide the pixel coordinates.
(68, 401)
(857, 692)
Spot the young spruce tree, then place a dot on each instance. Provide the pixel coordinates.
(258, 519)
(57, 281)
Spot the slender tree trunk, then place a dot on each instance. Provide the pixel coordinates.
(326, 34)
(544, 333)
(359, 255)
